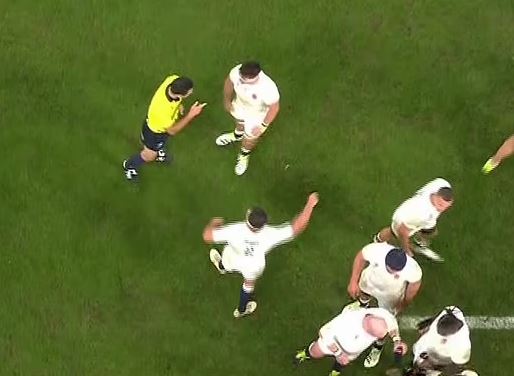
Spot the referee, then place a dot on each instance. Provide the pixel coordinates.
(163, 121)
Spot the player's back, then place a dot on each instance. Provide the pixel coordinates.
(347, 328)
(248, 242)
(452, 348)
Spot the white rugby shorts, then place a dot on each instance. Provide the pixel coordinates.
(248, 117)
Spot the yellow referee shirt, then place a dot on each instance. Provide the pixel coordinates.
(163, 111)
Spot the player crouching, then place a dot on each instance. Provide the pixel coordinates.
(444, 347)
(349, 334)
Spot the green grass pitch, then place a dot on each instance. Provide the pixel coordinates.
(378, 97)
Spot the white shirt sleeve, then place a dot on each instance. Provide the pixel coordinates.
(234, 74)
(415, 273)
(408, 213)
(225, 233)
(271, 94)
(280, 234)
(461, 353)
(433, 186)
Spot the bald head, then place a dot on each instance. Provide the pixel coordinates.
(375, 326)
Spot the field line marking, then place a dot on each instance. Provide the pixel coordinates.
(474, 322)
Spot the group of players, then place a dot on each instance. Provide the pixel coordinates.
(385, 272)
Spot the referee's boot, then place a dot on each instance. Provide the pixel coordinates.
(130, 173)
(163, 157)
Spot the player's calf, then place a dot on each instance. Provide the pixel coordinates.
(246, 304)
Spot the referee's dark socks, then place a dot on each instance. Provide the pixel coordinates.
(244, 298)
(245, 152)
(135, 161)
(238, 134)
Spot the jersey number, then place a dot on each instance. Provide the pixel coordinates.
(249, 250)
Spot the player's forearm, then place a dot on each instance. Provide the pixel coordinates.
(179, 125)
(411, 292)
(272, 113)
(301, 221)
(228, 91)
(405, 242)
(358, 266)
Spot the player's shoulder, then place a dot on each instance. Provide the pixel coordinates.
(441, 183)
(381, 247)
(233, 226)
(279, 227)
(233, 74)
(268, 81)
(278, 232)
(380, 312)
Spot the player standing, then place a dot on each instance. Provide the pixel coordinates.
(505, 151)
(390, 276)
(349, 334)
(248, 243)
(252, 98)
(444, 346)
(416, 218)
(163, 121)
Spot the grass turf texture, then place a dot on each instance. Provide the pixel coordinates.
(97, 278)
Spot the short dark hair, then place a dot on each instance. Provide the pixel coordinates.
(257, 217)
(446, 193)
(448, 324)
(250, 69)
(181, 85)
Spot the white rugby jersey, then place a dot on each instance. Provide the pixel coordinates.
(377, 281)
(347, 332)
(417, 212)
(445, 350)
(253, 243)
(255, 97)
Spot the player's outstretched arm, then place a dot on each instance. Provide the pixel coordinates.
(194, 111)
(301, 221)
(208, 235)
